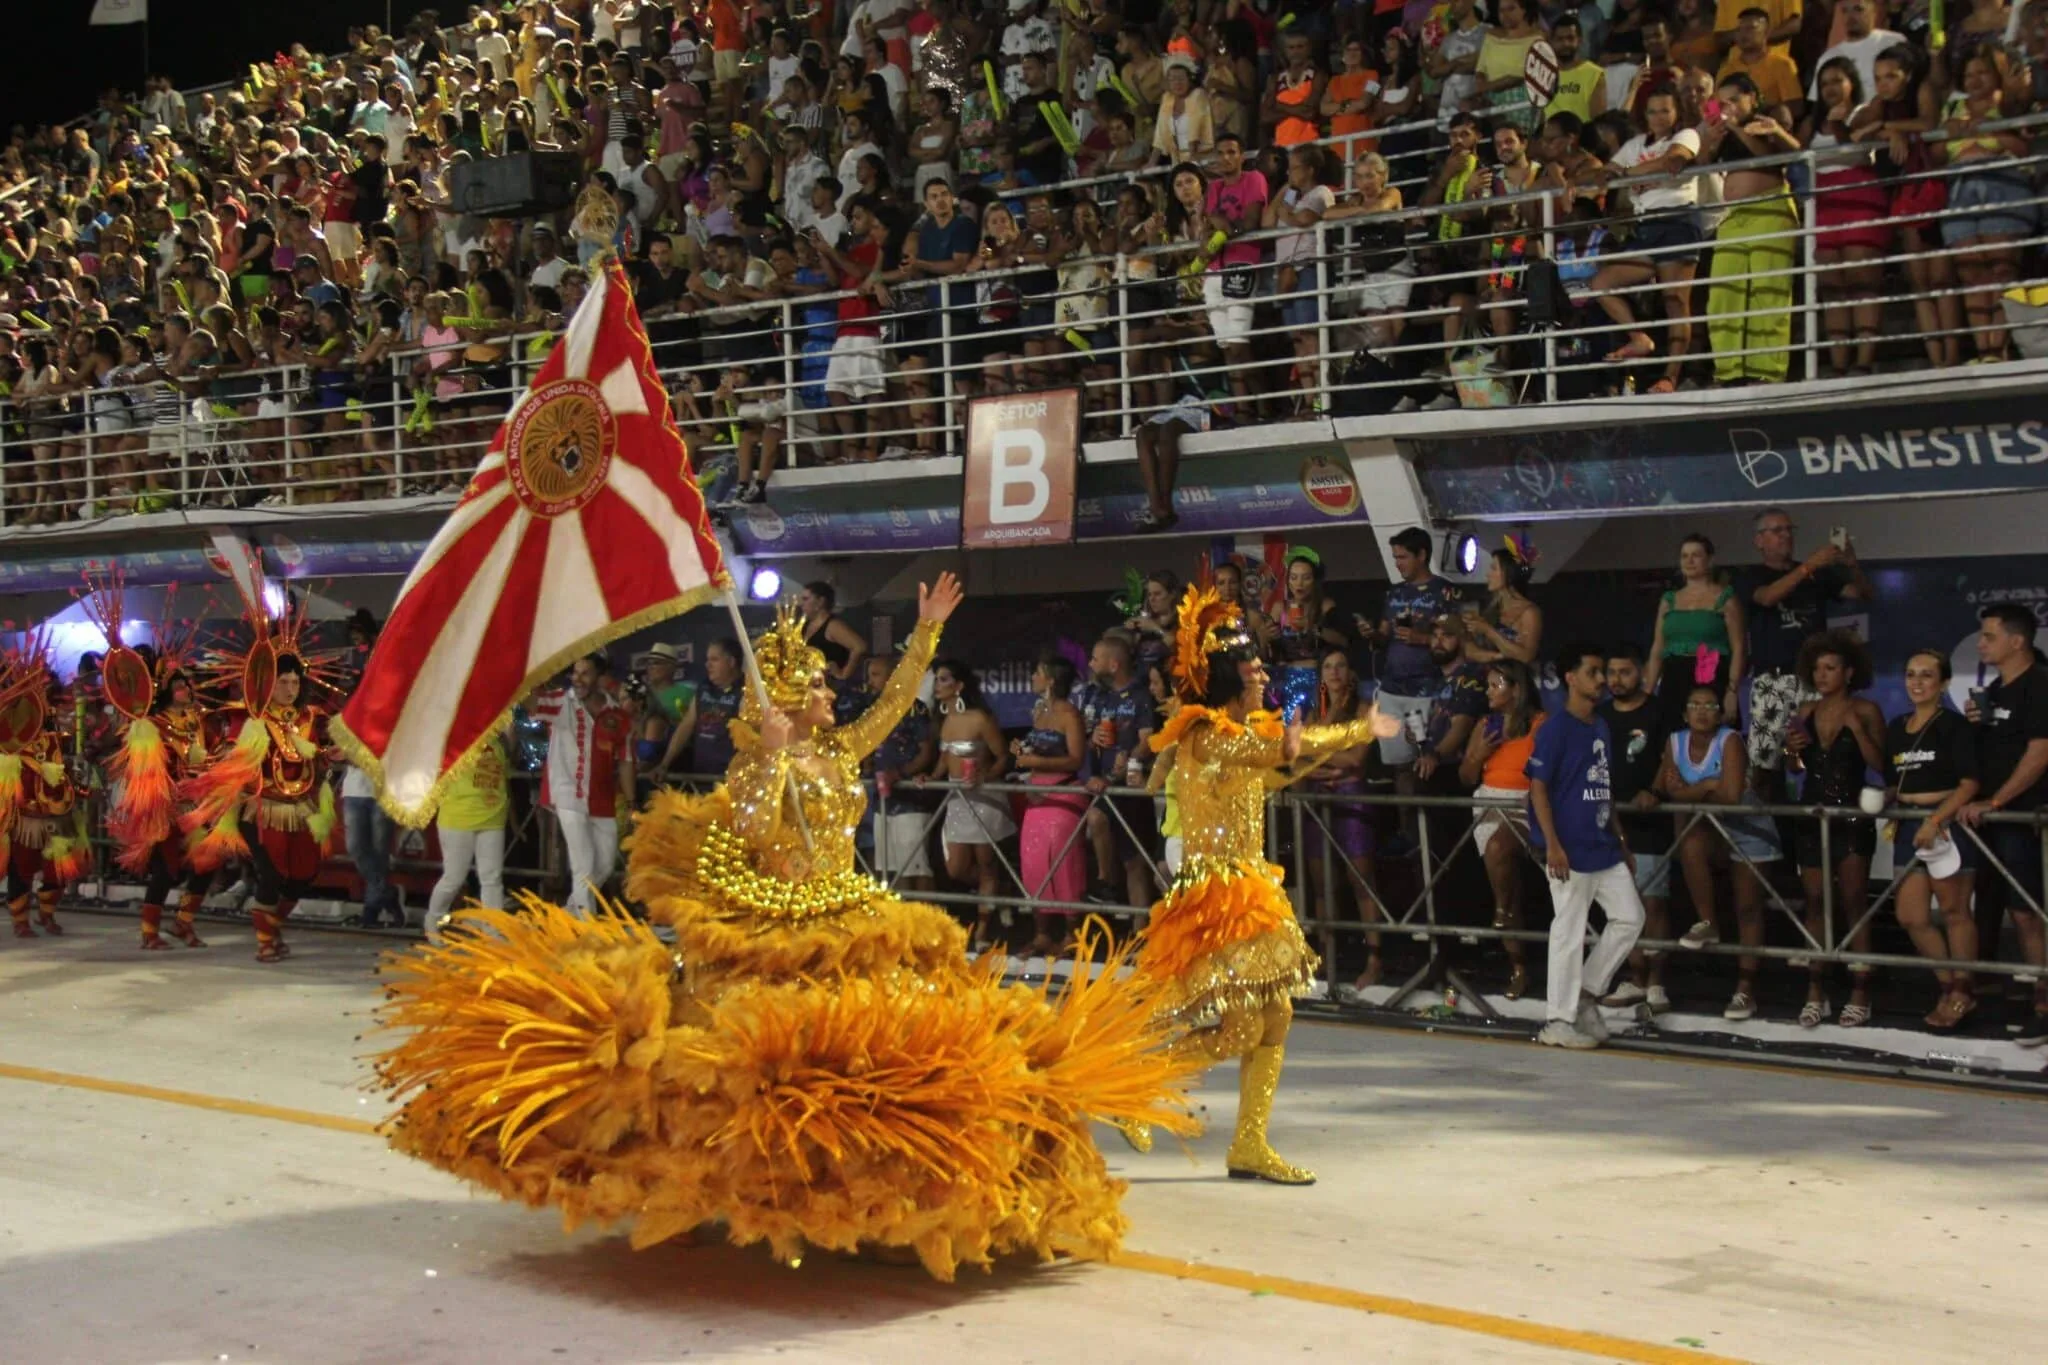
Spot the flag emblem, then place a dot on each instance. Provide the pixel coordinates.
(559, 446)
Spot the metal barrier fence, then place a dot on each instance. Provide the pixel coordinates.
(1422, 306)
(1345, 898)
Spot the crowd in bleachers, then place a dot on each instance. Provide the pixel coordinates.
(951, 201)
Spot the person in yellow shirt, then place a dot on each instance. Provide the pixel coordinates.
(1777, 79)
(1581, 85)
(1782, 19)
(471, 825)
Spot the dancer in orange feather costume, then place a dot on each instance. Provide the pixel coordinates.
(814, 1064)
(1223, 946)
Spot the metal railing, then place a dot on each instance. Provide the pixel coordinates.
(1346, 900)
(1367, 324)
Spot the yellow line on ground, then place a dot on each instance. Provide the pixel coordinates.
(1437, 1315)
(1305, 1291)
(190, 1099)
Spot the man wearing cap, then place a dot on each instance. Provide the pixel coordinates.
(671, 697)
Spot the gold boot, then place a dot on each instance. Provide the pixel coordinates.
(1249, 1158)
(1139, 1135)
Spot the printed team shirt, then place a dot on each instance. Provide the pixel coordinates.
(584, 750)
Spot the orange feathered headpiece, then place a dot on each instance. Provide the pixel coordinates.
(1208, 625)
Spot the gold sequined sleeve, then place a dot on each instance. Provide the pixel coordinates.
(864, 735)
(758, 785)
(1319, 741)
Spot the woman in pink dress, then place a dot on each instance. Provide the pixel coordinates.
(1050, 847)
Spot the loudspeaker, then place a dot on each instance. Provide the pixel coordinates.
(517, 186)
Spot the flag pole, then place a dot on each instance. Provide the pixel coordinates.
(760, 686)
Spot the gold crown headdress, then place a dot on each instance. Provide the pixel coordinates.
(790, 666)
(1208, 625)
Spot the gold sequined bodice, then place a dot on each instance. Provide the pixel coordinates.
(291, 769)
(46, 788)
(1221, 782)
(823, 774)
(181, 727)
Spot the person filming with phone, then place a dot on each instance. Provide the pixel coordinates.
(1786, 600)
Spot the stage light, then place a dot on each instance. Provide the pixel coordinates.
(1461, 553)
(276, 597)
(766, 585)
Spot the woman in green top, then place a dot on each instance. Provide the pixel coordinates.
(1700, 637)
(471, 824)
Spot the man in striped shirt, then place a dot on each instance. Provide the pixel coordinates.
(589, 769)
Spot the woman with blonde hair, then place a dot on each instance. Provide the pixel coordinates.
(1185, 129)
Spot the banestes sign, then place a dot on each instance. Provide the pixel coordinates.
(1022, 453)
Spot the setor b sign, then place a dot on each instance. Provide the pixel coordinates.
(1023, 450)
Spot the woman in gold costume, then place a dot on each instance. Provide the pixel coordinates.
(1223, 946)
(815, 1063)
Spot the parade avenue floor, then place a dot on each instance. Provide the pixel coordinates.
(191, 1176)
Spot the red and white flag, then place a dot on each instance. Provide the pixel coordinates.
(582, 524)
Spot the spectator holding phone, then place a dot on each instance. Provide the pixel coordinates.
(1786, 603)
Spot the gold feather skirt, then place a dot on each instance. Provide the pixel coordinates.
(833, 1080)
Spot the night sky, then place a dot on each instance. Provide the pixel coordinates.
(193, 43)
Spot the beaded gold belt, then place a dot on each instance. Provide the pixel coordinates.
(724, 866)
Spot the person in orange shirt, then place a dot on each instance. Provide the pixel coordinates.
(1777, 79)
(728, 44)
(1351, 100)
(1782, 22)
(1294, 96)
(1494, 763)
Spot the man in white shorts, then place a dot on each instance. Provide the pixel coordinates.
(856, 372)
(1237, 198)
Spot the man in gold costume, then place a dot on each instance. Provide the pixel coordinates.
(814, 1063)
(1223, 944)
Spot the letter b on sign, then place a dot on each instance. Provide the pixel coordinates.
(1022, 454)
(1019, 490)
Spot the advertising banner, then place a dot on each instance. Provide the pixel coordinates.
(1982, 446)
(1237, 493)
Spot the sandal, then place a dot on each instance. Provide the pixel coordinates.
(1518, 982)
(1814, 1012)
(1955, 1007)
(185, 934)
(273, 952)
(1854, 1015)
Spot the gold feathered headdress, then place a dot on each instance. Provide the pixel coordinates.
(1208, 625)
(790, 666)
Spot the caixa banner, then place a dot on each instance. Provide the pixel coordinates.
(1902, 450)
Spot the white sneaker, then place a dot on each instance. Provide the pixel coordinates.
(1660, 1003)
(1701, 935)
(1557, 1033)
(1407, 404)
(1589, 1022)
(1740, 1006)
(1622, 996)
(1443, 402)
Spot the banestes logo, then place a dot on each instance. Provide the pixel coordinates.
(1328, 486)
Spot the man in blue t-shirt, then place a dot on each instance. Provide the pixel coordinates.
(1410, 679)
(1573, 829)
